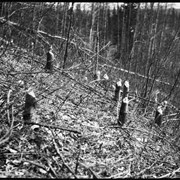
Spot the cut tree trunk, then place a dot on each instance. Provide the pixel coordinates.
(50, 60)
(124, 106)
(30, 105)
(117, 90)
(123, 112)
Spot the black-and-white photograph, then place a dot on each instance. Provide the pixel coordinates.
(90, 90)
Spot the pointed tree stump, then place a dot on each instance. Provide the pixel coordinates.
(50, 60)
(30, 105)
(159, 113)
(117, 90)
(123, 112)
(124, 105)
(105, 82)
(97, 75)
(158, 116)
(125, 89)
(106, 77)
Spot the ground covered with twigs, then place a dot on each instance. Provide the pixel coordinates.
(74, 131)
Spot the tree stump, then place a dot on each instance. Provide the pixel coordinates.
(125, 89)
(123, 112)
(97, 75)
(158, 116)
(105, 82)
(50, 60)
(124, 105)
(30, 105)
(117, 90)
(159, 113)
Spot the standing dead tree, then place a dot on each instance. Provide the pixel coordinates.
(94, 34)
(68, 34)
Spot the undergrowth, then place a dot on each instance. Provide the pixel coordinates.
(77, 134)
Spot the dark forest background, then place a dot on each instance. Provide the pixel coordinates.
(140, 37)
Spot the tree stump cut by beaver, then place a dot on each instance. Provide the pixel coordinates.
(117, 90)
(30, 105)
(123, 112)
(97, 75)
(124, 105)
(159, 113)
(50, 60)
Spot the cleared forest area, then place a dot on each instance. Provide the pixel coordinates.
(89, 93)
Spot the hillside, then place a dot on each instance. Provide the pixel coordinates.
(61, 114)
(77, 134)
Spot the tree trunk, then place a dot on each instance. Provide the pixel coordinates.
(124, 105)
(68, 34)
(92, 33)
(123, 34)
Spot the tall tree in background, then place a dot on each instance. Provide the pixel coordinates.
(105, 19)
(135, 45)
(64, 20)
(129, 12)
(70, 11)
(97, 37)
(93, 37)
(118, 26)
(94, 12)
(123, 32)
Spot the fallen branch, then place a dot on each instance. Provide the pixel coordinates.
(36, 164)
(51, 169)
(54, 127)
(6, 137)
(57, 150)
(144, 170)
(95, 176)
(137, 74)
(8, 101)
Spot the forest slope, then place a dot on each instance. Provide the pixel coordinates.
(78, 135)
